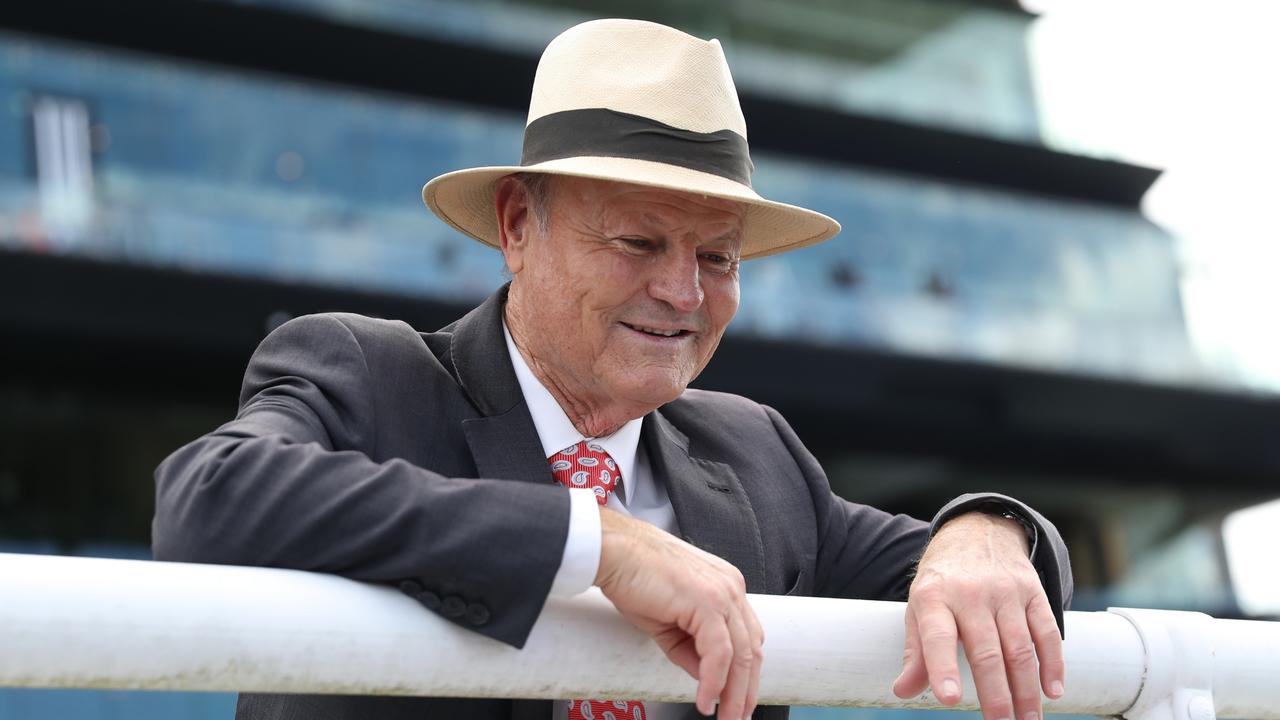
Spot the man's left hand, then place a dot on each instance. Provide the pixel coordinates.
(976, 585)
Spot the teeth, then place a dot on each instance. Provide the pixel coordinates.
(654, 331)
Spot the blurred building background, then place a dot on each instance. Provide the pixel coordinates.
(1020, 301)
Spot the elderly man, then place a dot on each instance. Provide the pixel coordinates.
(547, 441)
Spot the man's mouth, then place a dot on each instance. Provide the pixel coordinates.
(658, 332)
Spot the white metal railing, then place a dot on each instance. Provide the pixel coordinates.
(92, 623)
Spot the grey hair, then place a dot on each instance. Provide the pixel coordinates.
(538, 185)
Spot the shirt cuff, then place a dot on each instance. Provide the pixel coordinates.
(581, 559)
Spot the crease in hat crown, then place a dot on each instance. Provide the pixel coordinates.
(657, 72)
(613, 81)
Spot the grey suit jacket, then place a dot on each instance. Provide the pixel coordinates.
(366, 449)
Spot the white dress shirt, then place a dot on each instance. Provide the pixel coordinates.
(638, 495)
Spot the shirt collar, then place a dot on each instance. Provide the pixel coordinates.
(554, 428)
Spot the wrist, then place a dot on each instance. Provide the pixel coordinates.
(1006, 529)
(1001, 510)
(613, 534)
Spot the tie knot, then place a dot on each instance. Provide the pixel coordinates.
(586, 466)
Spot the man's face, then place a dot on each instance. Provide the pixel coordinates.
(625, 297)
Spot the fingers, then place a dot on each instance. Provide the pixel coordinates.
(738, 683)
(1020, 664)
(679, 648)
(728, 648)
(1044, 632)
(714, 644)
(937, 628)
(757, 637)
(1013, 654)
(914, 678)
(1004, 658)
(692, 603)
(730, 652)
(986, 660)
(975, 581)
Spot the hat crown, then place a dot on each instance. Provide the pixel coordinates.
(640, 68)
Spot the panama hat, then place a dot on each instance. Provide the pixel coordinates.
(634, 102)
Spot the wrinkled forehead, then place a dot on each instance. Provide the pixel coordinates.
(657, 210)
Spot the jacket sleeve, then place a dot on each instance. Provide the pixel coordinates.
(290, 483)
(869, 554)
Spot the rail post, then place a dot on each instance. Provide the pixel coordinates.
(1179, 649)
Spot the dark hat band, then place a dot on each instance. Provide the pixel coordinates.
(600, 132)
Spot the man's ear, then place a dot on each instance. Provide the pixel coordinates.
(515, 221)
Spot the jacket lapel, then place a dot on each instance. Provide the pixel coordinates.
(507, 447)
(503, 441)
(711, 507)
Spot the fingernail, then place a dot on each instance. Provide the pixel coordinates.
(1031, 716)
(1056, 688)
(950, 688)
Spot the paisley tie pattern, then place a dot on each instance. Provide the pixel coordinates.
(587, 466)
(606, 710)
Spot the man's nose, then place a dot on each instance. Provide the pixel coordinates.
(677, 281)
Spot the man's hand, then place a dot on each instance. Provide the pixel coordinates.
(692, 603)
(975, 584)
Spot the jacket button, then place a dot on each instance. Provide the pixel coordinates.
(429, 600)
(410, 587)
(453, 607)
(477, 614)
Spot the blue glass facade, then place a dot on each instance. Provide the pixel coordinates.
(211, 170)
(938, 63)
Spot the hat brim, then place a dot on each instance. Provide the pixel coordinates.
(465, 200)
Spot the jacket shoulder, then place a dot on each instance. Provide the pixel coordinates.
(371, 334)
(713, 419)
(712, 403)
(360, 326)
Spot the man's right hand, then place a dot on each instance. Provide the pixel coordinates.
(692, 603)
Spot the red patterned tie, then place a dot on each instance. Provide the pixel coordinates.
(588, 466)
(606, 710)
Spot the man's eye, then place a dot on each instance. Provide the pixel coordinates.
(638, 243)
(718, 262)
